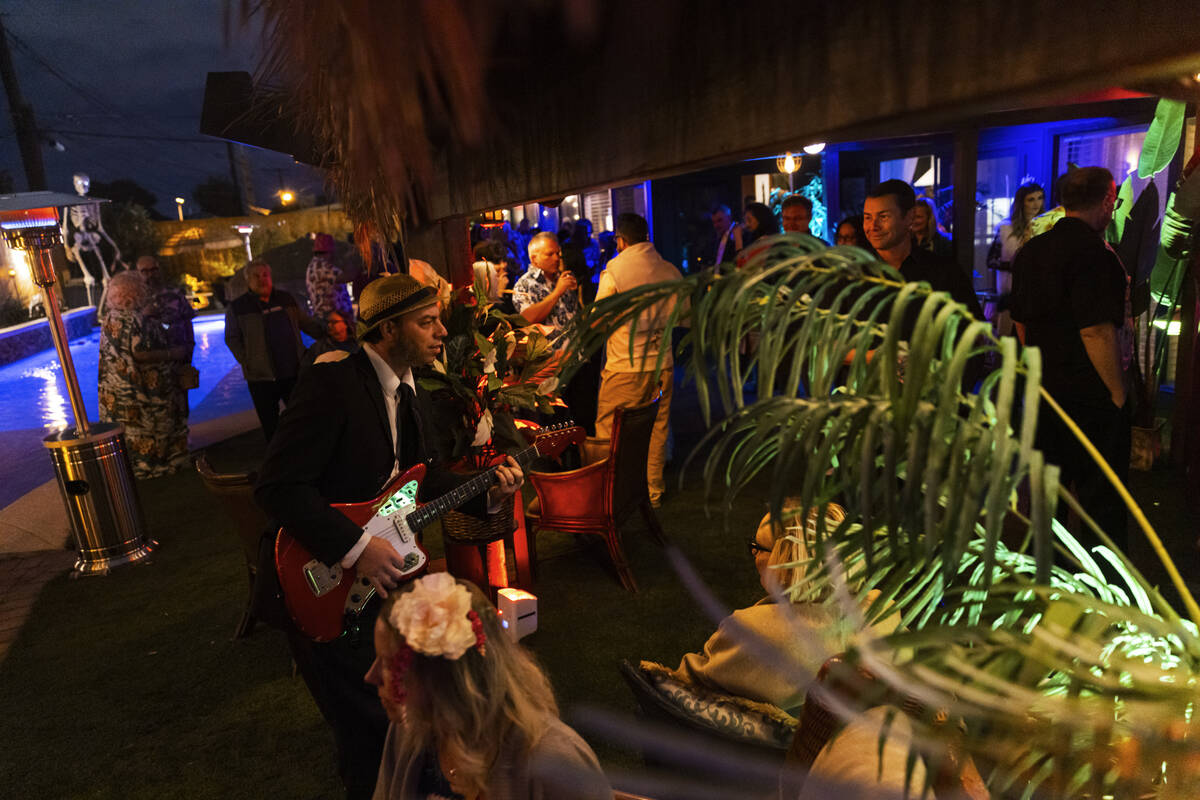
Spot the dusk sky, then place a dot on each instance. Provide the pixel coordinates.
(136, 69)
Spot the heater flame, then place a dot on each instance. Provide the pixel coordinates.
(28, 218)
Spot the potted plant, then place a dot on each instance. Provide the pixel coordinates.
(493, 367)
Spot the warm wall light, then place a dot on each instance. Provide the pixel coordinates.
(787, 163)
(813, 149)
(286, 196)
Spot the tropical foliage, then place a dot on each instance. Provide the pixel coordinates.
(492, 364)
(1069, 680)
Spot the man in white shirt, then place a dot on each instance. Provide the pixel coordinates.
(625, 380)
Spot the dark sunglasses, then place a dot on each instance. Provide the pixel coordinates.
(756, 548)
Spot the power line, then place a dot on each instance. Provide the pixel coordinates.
(117, 152)
(193, 140)
(116, 144)
(115, 115)
(81, 91)
(103, 104)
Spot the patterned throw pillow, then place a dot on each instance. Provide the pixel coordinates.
(729, 716)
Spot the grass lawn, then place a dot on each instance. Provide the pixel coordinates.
(129, 686)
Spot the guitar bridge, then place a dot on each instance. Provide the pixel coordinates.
(322, 578)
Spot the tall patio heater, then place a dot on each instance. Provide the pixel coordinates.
(90, 461)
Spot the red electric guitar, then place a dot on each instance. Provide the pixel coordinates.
(322, 599)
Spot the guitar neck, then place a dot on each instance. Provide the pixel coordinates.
(468, 490)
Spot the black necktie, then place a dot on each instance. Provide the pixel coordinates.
(408, 437)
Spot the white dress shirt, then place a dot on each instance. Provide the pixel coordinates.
(390, 382)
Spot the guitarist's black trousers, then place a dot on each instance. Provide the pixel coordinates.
(334, 672)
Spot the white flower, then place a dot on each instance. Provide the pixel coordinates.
(483, 431)
(548, 386)
(432, 617)
(489, 362)
(439, 366)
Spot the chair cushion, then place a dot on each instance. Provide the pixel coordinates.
(729, 716)
(854, 758)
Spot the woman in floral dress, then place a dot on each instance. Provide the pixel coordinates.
(136, 378)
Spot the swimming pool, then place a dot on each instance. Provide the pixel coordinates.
(33, 400)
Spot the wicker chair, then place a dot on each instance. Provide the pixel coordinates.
(235, 492)
(953, 774)
(597, 498)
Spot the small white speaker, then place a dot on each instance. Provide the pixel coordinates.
(518, 612)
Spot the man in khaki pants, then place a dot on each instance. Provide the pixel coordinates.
(629, 382)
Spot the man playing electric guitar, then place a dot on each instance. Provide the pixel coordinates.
(355, 422)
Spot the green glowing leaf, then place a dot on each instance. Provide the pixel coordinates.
(1162, 140)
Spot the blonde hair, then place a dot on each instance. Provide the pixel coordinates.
(470, 708)
(125, 291)
(791, 544)
(931, 224)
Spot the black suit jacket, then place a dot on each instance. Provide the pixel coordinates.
(334, 445)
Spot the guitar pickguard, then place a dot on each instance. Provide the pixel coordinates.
(403, 498)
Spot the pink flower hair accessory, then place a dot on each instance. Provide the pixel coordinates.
(435, 618)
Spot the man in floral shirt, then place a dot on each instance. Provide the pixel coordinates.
(170, 310)
(326, 283)
(546, 293)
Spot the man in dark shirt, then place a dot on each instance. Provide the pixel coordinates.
(1070, 299)
(887, 223)
(262, 330)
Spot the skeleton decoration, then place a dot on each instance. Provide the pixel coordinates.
(86, 242)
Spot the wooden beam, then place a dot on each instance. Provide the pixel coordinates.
(966, 161)
(725, 86)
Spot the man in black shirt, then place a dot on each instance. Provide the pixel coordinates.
(262, 330)
(1070, 295)
(887, 223)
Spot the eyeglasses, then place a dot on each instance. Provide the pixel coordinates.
(756, 548)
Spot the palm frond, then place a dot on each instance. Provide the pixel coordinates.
(860, 401)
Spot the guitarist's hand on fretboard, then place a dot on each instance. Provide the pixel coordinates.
(380, 564)
(509, 478)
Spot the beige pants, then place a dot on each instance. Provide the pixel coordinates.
(623, 389)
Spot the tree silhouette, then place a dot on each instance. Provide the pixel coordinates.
(124, 190)
(218, 196)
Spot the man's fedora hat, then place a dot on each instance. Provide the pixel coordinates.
(388, 297)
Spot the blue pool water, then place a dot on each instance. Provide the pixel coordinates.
(33, 400)
(34, 395)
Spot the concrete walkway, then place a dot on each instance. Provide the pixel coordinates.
(35, 536)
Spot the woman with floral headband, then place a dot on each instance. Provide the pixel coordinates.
(472, 715)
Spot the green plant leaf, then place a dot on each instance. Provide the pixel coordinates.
(1162, 139)
(1116, 227)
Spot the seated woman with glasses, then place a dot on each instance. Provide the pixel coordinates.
(761, 653)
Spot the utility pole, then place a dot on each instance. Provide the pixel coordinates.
(22, 117)
(238, 182)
